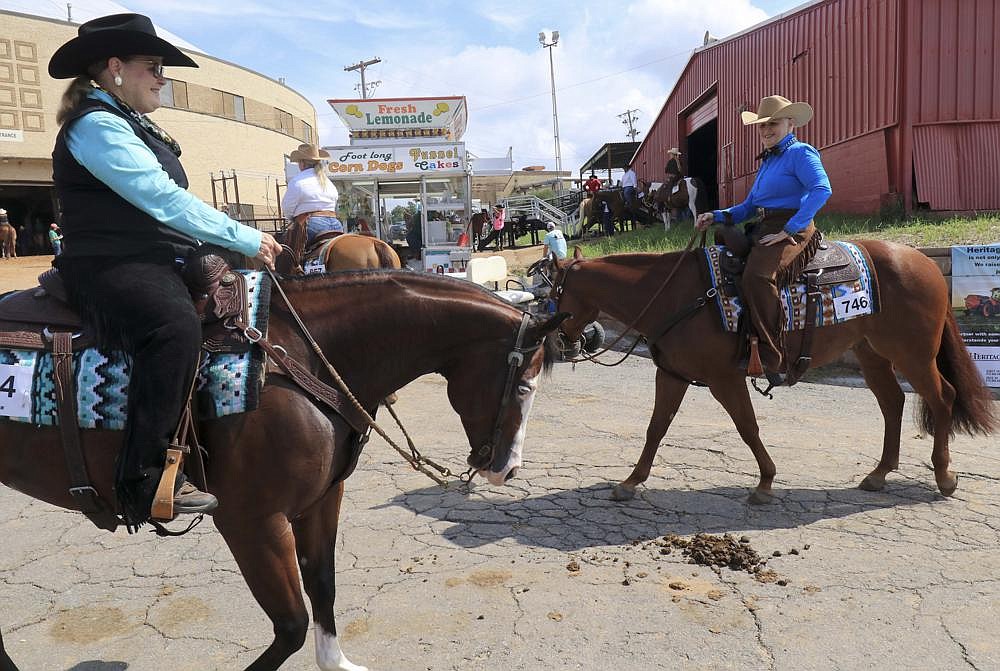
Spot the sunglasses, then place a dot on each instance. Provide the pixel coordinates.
(157, 68)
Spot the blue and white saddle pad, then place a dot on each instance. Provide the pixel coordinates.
(841, 302)
(227, 383)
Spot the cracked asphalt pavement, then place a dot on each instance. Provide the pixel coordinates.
(547, 572)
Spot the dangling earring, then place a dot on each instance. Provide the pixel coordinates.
(118, 80)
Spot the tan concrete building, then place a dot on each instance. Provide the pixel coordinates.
(228, 120)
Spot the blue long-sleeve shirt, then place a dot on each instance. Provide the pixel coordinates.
(105, 145)
(792, 178)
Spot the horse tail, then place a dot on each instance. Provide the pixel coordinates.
(972, 410)
(387, 257)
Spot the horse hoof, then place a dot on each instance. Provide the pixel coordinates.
(873, 482)
(760, 497)
(622, 492)
(948, 484)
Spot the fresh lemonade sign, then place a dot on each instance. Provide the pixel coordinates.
(448, 115)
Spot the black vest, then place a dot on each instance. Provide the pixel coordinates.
(96, 221)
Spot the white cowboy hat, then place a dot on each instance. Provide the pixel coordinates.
(308, 152)
(675, 151)
(778, 107)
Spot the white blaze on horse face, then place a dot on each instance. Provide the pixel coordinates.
(517, 444)
(329, 656)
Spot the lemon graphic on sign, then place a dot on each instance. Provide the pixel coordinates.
(440, 109)
(353, 111)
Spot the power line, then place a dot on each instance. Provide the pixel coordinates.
(629, 120)
(361, 65)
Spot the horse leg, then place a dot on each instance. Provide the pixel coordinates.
(264, 549)
(881, 379)
(939, 395)
(735, 398)
(6, 663)
(315, 544)
(670, 392)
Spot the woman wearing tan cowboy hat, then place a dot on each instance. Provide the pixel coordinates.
(126, 213)
(789, 189)
(310, 201)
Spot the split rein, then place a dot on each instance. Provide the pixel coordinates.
(584, 356)
(414, 457)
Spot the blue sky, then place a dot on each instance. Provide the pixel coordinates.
(607, 61)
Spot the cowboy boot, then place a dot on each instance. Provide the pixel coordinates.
(190, 499)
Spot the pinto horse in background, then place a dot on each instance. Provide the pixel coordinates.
(8, 241)
(914, 333)
(279, 471)
(688, 193)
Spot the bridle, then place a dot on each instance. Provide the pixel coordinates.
(515, 359)
(673, 320)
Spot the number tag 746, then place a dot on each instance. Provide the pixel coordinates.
(852, 305)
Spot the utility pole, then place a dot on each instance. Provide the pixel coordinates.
(361, 65)
(628, 118)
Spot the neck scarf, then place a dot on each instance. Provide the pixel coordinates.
(778, 149)
(144, 121)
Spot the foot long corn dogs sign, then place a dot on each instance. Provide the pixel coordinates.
(396, 160)
(404, 117)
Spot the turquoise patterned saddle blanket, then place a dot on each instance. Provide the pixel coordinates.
(226, 383)
(842, 301)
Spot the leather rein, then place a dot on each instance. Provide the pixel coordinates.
(356, 415)
(672, 321)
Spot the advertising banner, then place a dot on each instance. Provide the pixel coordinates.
(404, 117)
(416, 159)
(975, 300)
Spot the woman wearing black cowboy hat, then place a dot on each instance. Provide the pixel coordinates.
(126, 213)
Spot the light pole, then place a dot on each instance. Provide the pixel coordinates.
(548, 40)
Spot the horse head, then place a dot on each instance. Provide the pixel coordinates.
(581, 313)
(493, 395)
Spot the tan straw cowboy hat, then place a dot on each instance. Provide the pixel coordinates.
(675, 151)
(308, 152)
(778, 107)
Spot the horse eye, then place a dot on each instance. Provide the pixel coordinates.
(523, 388)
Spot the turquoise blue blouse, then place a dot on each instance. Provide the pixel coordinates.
(105, 145)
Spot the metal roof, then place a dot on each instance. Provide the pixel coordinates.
(611, 156)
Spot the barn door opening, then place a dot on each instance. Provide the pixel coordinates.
(701, 130)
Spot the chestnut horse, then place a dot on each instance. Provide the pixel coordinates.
(914, 333)
(8, 241)
(352, 251)
(278, 471)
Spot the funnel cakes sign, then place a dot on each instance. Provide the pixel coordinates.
(404, 117)
(396, 160)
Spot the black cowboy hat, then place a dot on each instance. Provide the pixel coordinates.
(116, 35)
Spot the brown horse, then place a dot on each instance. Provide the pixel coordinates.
(619, 211)
(914, 334)
(351, 251)
(8, 241)
(278, 471)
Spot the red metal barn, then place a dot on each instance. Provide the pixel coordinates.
(905, 92)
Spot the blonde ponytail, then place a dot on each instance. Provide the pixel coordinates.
(317, 166)
(74, 94)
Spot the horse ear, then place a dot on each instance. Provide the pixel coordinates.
(577, 252)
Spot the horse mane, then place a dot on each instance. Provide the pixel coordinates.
(479, 294)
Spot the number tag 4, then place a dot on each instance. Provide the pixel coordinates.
(15, 390)
(852, 305)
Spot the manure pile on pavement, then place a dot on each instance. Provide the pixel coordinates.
(715, 551)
